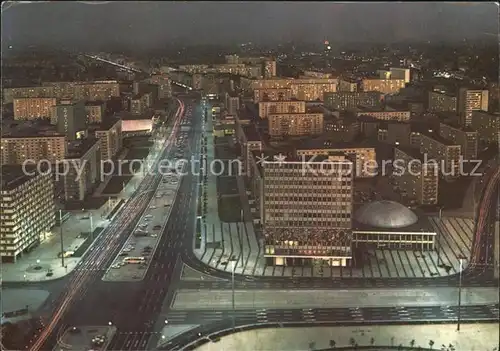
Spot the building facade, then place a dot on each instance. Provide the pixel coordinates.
(418, 177)
(83, 175)
(345, 100)
(110, 139)
(33, 108)
(277, 107)
(444, 152)
(17, 149)
(28, 211)
(487, 126)
(71, 118)
(385, 86)
(306, 214)
(399, 116)
(295, 124)
(470, 100)
(440, 101)
(466, 137)
(94, 111)
(272, 94)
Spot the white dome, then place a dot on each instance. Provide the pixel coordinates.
(386, 214)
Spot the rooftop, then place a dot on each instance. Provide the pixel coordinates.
(24, 129)
(13, 176)
(251, 132)
(78, 148)
(327, 144)
(389, 216)
(434, 135)
(415, 153)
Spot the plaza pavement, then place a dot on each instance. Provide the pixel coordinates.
(223, 242)
(471, 337)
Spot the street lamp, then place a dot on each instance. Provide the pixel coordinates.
(459, 315)
(232, 286)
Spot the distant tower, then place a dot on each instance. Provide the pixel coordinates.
(327, 47)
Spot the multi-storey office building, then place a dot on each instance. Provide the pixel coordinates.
(267, 108)
(295, 124)
(487, 126)
(466, 137)
(28, 210)
(272, 94)
(440, 101)
(416, 175)
(250, 141)
(470, 100)
(71, 118)
(33, 108)
(345, 100)
(445, 153)
(306, 212)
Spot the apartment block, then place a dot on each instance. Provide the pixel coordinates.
(232, 103)
(109, 135)
(385, 86)
(446, 153)
(466, 137)
(306, 213)
(347, 85)
(28, 211)
(277, 107)
(470, 100)
(363, 158)
(95, 111)
(400, 116)
(417, 177)
(306, 89)
(83, 175)
(295, 124)
(18, 148)
(487, 126)
(440, 101)
(9, 94)
(345, 100)
(33, 108)
(272, 94)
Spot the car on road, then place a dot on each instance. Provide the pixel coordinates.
(98, 340)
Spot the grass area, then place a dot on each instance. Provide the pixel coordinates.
(115, 185)
(229, 209)
(227, 185)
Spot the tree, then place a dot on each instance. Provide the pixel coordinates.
(400, 347)
(412, 343)
(352, 342)
(312, 345)
(431, 343)
(372, 341)
(332, 343)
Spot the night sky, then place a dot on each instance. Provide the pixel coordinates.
(149, 24)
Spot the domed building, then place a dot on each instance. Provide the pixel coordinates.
(391, 225)
(386, 214)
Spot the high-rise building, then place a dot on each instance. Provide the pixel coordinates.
(83, 175)
(109, 135)
(440, 101)
(470, 100)
(18, 148)
(295, 124)
(363, 158)
(345, 100)
(446, 153)
(95, 111)
(306, 212)
(272, 94)
(276, 107)
(487, 126)
(33, 108)
(269, 69)
(347, 85)
(232, 103)
(417, 176)
(386, 86)
(28, 210)
(466, 137)
(71, 118)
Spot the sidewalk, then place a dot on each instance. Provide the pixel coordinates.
(479, 337)
(224, 242)
(34, 266)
